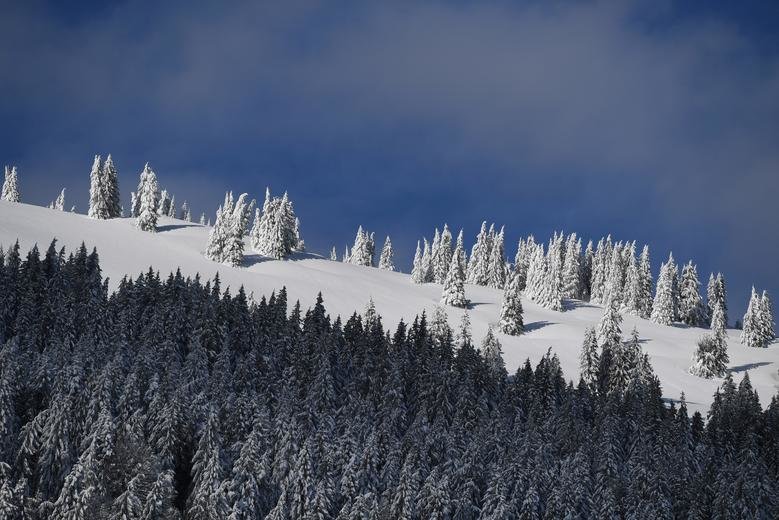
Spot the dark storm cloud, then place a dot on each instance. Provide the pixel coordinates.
(595, 116)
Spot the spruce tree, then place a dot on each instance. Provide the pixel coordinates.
(589, 361)
(111, 186)
(386, 261)
(665, 304)
(609, 332)
(752, 334)
(59, 203)
(186, 213)
(333, 255)
(767, 327)
(479, 260)
(426, 264)
(148, 200)
(454, 286)
(11, 185)
(493, 356)
(496, 266)
(511, 322)
(691, 308)
(572, 287)
(716, 293)
(442, 256)
(172, 207)
(98, 203)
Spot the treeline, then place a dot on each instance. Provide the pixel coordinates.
(173, 398)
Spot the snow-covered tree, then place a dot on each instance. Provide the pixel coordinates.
(609, 331)
(493, 356)
(147, 200)
(164, 205)
(454, 286)
(362, 253)
(716, 293)
(706, 362)
(665, 305)
(172, 207)
(98, 201)
(333, 255)
(572, 286)
(202, 220)
(691, 308)
(59, 202)
(275, 232)
(186, 213)
(767, 326)
(496, 264)
(442, 255)
(589, 360)
(417, 274)
(427, 262)
(387, 259)
(111, 186)
(478, 264)
(758, 324)
(511, 321)
(11, 185)
(225, 241)
(711, 357)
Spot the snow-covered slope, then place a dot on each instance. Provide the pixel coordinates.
(124, 250)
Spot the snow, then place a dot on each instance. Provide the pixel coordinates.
(125, 249)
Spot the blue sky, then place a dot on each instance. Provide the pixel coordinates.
(653, 121)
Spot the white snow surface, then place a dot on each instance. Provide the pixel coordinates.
(126, 250)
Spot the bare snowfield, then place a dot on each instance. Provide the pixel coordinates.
(123, 249)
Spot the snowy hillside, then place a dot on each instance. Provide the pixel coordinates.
(124, 250)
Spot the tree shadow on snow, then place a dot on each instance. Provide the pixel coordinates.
(530, 327)
(569, 305)
(250, 259)
(750, 366)
(171, 227)
(472, 305)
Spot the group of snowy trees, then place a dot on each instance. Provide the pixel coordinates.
(11, 185)
(758, 325)
(104, 200)
(610, 365)
(176, 399)
(275, 231)
(225, 240)
(445, 264)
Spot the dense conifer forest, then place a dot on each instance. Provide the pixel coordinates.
(176, 398)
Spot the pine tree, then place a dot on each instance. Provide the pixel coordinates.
(572, 286)
(333, 255)
(202, 220)
(496, 265)
(665, 305)
(511, 322)
(442, 255)
(716, 294)
(609, 332)
(454, 285)
(164, 205)
(691, 308)
(172, 207)
(493, 356)
(59, 204)
(707, 361)
(479, 260)
(111, 186)
(11, 185)
(387, 259)
(417, 274)
(186, 213)
(589, 361)
(751, 334)
(98, 204)
(148, 200)
(427, 265)
(767, 327)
